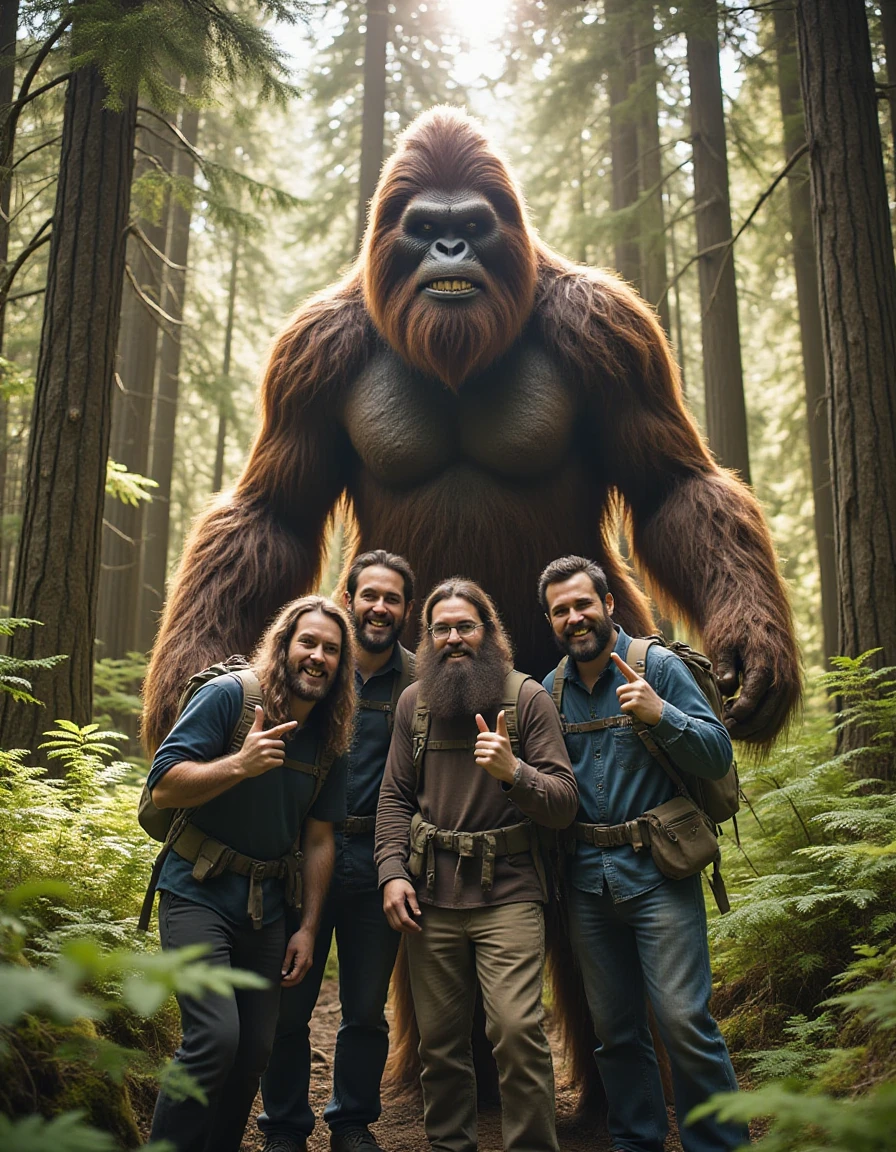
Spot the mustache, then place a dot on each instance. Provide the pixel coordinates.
(463, 646)
(570, 628)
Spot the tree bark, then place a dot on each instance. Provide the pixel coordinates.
(888, 28)
(373, 115)
(132, 405)
(621, 76)
(726, 415)
(158, 513)
(857, 278)
(218, 478)
(654, 276)
(810, 321)
(57, 574)
(9, 26)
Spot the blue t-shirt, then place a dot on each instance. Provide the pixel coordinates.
(259, 817)
(618, 778)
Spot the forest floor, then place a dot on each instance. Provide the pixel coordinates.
(401, 1126)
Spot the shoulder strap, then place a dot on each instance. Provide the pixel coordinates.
(420, 735)
(406, 676)
(513, 685)
(636, 657)
(251, 687)
(558, 685)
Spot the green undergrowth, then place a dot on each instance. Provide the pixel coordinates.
(804, 961)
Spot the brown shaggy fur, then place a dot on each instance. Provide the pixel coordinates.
(697, 530)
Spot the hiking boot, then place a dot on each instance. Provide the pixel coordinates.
(284, 1144)
(353, 1140)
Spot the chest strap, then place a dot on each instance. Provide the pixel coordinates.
(597, 725)
(355, 825)
(210, 858)
(487, 845)
(634, 832)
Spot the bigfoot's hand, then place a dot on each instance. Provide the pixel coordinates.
(398, 898)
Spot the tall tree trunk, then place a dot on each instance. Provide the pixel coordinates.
(726, 415)
(679, 324)
(9, 26)
(218, 478)
(857, 277)
(888, 27)
(623, 138)
(57, 574)
(156, 523)
(132, 404)
(373, 116)
(654, 276)
(810, 321)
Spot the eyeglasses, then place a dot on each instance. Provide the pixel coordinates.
(443, 631)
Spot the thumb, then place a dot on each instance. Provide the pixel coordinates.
(258, 722)
(481, 724)
(501, 726)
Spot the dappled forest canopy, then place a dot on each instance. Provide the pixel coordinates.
(176, 177)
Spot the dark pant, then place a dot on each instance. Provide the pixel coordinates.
(226, 1039)
(367, 947)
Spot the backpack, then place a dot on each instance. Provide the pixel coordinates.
(719, 799)
(404, 679)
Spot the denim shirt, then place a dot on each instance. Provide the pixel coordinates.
(618, 779)
(366, 761)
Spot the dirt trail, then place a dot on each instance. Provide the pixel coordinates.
(401, 1126)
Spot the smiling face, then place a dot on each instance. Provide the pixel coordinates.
(579, 618)
(449, 261)
(313, 656)
(452, 614)
(378, 608)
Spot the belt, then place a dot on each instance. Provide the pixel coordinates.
(355, 825)
(634, 832)
(210, 857)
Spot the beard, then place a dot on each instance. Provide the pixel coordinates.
(306, 689)
(585, 648)
(454, 688)
(376, 640)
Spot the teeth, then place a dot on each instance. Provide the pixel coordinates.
(311, 672)
(451, 285)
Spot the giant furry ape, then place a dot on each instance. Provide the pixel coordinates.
(485, 406)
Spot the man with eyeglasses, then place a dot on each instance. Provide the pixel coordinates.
(477, 763)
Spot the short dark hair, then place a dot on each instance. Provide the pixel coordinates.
(564, 568)
(384, 559)
(470, 591)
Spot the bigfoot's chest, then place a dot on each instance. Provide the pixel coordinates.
(514, 420)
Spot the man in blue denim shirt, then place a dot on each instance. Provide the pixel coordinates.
(379, 598)
(634, 930)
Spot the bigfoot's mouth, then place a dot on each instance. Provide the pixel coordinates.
(453, 288)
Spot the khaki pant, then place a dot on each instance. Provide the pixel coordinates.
(504, 948)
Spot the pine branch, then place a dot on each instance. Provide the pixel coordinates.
(156, 311)
(36, 242)
(31, 151)
(136, 231)
(9, 128)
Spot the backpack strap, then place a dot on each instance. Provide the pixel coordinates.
(513, 685)
(407, 674)
(636, 657)
(558, 685)
(251, 687)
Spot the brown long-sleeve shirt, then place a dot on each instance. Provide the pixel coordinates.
(455, 793)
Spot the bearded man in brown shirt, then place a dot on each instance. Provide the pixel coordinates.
(477, 761)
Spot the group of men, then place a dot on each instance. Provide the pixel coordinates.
(417, 800)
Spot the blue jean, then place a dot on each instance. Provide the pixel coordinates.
(654, 942)
(366, 947)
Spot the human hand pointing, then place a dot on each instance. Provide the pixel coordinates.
(264, 749)
(636, 695)
(493, 751)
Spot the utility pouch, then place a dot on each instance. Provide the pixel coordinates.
(682, 838)
(211, 859)
(417, 856)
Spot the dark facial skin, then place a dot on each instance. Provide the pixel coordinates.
(450, 239)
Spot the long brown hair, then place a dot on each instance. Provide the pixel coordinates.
(336, 711)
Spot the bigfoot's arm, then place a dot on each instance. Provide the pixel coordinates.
(259, 546)
(698, 531)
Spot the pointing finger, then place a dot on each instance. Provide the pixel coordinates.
(629, 673)
(481, 724)
(281, 729)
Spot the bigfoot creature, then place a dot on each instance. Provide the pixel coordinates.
(485, 406)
